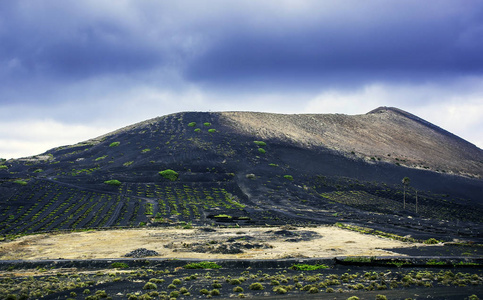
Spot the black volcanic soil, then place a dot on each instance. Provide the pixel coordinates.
(279, 279)
(226, 178)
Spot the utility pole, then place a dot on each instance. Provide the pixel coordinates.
(405, 182)
(416, 201)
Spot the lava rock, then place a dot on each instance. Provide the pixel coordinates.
(141, 252)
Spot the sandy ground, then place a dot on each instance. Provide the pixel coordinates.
(322, 242)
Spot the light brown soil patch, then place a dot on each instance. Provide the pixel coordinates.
(326, 242)
(390, 134)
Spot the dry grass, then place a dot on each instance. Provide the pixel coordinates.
(329, 242)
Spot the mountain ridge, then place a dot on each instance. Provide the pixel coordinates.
(470, 156)
(252, 168)
(352, 133)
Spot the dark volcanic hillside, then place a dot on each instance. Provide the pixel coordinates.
(254, 168)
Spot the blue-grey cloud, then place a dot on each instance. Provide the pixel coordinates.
(387, 45)
(320, 44)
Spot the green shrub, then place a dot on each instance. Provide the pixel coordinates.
(306, 267)
(145, 150)
(114, 144)
(127, 164)
(260, 143)
(119, 265)
(113, 182)
(101, 158)
(431, 241)
(235, 281)
(3, 167)
(223, 216)
(174, 294)
(21, 182)
(381, 297)
(274, 282)
(192, 124)
(86, 292)
(207, 124)
(261, 150)
(101, 294)
(289, 177)
(38, 171)
(169, 174)
(238, 289)
(215, 292)
(313, 290)
(150, 286)
(176, 281)
(256, 286)
(204, 292)
(202, 265)
(211, 130)
(273, 165)
(197, 130)
(353, 298)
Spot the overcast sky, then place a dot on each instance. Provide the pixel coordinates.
(73, 70)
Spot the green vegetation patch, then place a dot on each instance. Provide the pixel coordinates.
(431, 241)
(260, 143)
(289, 177)
(38, 171)
(192, 124)
(207, 124)
(127, 164)
(256, 286)
(114, 144)
(197, 130)
(101, 158)
(119, 265)
(3, 167)
(21, 182)
(169, 174)
(212, 130)
(149, 209)
(306, 267)
(261, 150)
(434, 262)
(223, 216)
(145, 150)
(202, 265)
(113, 182)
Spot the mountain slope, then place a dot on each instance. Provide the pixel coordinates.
(254, 168)
(385, 134)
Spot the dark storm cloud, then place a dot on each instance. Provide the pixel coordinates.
(45, 45)
(49, 44)
(388, 45)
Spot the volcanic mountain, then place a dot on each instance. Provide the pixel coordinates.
(242, 168)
